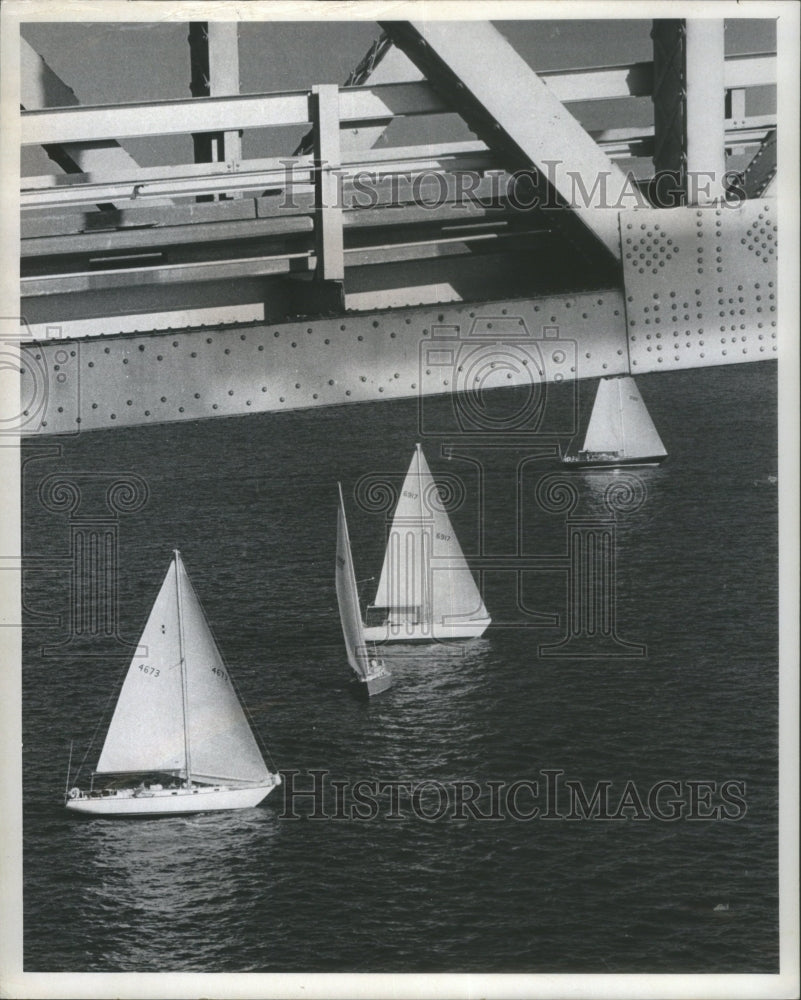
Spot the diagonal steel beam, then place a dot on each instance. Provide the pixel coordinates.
(41, 87)
(479, 73)
(384, 63)
(761, 171)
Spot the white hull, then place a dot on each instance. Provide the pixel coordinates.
(171, 802)
(425, 631)
(375, 683)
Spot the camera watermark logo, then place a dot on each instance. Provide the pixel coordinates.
(496, 352)
(49, 380)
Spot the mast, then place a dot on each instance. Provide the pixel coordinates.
(182, 665)
(424, 554)
(69, 768)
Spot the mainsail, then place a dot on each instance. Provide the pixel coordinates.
(348, 598)
(620, 423)
(424, 569)
(177, 700)
(605, 429)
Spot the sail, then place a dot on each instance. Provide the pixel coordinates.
(424, 566)
(146, 731)
(641, 438)
(605, 429)
(348, 598)
(221, 743)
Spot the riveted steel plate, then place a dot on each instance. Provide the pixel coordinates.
(248, 368)
(700, 285)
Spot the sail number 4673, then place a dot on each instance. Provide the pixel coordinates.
(220, 673)
(151, 671)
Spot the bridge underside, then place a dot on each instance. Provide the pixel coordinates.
(232, 287)
(669, 316)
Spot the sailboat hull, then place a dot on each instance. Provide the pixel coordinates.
(594, 461)
(130, 802)
(425, 631)
(368, 687)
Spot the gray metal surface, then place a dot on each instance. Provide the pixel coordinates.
(689, 106)
(214, 57)
(219, 114)
(700, 285)
(71, 386)
(478, 72)
(40, 88)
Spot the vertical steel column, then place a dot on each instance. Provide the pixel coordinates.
(689, 106)
(329, 239)
(735, 113)
(214, 55)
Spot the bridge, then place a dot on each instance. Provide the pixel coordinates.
(449, 218)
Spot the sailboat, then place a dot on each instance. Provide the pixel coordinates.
(367, 665)
(620, 431)
(426, 591)
(178, 741)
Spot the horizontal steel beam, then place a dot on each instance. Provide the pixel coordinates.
(359, 105)
(403, 203)
(266, 264)
(219, 114)
(149, 184)
(249, 368)
(40, 87)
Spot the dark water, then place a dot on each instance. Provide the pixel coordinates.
(251, 503)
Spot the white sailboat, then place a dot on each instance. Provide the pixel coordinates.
(426, 591)
(368, 666)
(620, 431)
(179, 719)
